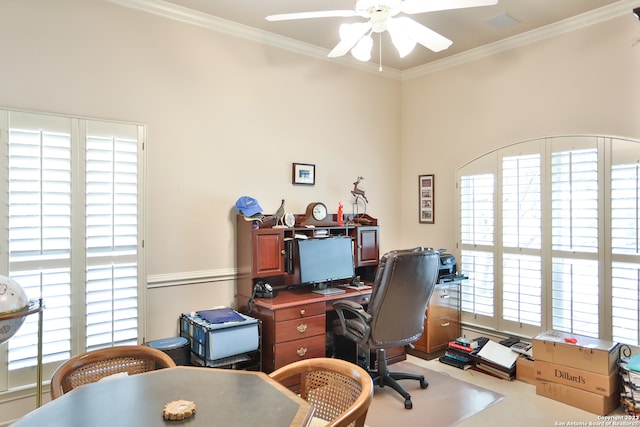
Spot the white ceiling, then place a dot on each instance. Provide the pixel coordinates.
(467, 28)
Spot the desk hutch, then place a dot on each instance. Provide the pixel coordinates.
(294, 323)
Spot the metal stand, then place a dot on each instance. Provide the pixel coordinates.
(359, 207)
(32, 309)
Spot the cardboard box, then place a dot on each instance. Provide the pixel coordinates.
(214, 341)
(604, 385)
(588, 354)
(525, 370)
(591, 402)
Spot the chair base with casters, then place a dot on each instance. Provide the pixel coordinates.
(383, 377)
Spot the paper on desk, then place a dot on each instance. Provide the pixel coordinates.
(498, 353)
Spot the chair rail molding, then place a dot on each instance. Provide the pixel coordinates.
(191, 277)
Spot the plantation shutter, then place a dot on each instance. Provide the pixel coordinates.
(477, 239)
(521, 241)
(73, 220)
(574, 215)
(625, 243)
(111, 234)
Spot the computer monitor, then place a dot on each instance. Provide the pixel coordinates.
(325, 260)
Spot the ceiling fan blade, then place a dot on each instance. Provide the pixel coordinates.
(421, 6)
(308, 15)
(399, 37)
(423, 35)
(349, 36)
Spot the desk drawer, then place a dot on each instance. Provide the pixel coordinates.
(299, 311)
(440, 331)
(293, 351)
(444, 301)
(300, 328)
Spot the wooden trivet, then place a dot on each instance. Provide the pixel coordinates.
(178, 410)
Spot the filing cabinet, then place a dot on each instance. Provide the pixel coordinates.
(442, 322)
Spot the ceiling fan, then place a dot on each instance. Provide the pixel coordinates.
(382, 16)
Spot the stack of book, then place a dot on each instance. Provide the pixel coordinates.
(497, 360)
(483, 355)
(460, 353)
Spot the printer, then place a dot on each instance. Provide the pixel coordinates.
(448, 268)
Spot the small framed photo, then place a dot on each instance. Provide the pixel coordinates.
(304, 174)
(426, 208)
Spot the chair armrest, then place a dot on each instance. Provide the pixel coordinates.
(356, 328)
(353, 307)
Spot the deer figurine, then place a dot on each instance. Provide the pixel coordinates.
(358, 192)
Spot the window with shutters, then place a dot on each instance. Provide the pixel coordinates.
(565, 244)
(521, 240)
(71, 224)
(625, 243)
(477, 237)
(575, 238)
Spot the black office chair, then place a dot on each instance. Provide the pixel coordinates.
(404, 282)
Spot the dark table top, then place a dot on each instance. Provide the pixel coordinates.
(223, 398)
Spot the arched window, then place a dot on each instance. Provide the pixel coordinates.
(548, 235)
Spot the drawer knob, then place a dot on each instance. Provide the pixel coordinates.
(301, 327)
(445, 324)
(302, 312)
(301, 351)
(444, 296)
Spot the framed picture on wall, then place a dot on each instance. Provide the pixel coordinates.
(426, 208)
(303, 174)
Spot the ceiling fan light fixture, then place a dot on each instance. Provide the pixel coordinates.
(362, 50)
(379, 20)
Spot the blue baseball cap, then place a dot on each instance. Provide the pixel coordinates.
(248, 206)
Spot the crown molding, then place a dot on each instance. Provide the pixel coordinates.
(194, 17)
(190, 16)
(571, 24)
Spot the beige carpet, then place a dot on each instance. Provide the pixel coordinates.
(446, 402)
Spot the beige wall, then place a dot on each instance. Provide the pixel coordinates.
(227, 117)
(581, 82)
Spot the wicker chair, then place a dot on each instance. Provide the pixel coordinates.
(340, 391)
(92, 366)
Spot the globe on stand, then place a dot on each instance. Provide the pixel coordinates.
(14, 307)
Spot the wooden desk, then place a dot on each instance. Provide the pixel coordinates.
(222, 397)
(294, 325)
